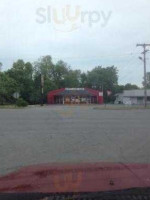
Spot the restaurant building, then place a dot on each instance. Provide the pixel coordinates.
(75, 96)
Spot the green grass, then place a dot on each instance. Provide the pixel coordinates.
(10, 107)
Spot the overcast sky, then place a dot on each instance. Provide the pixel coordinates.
(102, 32)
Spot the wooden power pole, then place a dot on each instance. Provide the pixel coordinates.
(42, 89)
(145, 72)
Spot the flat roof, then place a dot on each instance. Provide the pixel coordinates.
(135, 93)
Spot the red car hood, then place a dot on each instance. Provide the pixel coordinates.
(87, 177)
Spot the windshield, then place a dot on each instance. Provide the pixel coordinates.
(74, 96)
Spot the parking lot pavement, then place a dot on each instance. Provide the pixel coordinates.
(72, 134)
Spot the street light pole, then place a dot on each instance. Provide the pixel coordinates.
(145, 78)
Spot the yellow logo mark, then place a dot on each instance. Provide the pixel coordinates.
(67, 18)
(68, 181)
(66, 113)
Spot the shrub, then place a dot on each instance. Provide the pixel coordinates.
(21, 103)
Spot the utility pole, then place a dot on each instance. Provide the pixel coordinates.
(145, 78)
(42, 89)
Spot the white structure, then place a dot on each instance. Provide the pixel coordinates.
(132, 97)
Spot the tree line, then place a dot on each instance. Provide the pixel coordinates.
(25, 78)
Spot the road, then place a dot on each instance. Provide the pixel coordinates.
(72, 134)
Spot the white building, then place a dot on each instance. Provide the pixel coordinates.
(132, 97)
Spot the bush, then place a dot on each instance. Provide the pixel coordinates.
(21, 103)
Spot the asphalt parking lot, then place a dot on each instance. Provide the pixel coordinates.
(72, 134)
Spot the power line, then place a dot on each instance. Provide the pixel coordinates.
(145, 78)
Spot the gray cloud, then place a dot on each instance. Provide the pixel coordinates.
(84, 46)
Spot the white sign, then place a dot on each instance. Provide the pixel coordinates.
(74, 89)
(100, 94)
(16, 95)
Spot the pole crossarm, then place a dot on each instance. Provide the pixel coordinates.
(145, 72)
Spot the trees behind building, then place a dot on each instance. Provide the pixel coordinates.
(25, 79)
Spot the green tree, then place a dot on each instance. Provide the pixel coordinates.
(72, 80)
(27, 78)
(7, 88)
(60, 74)
(119, 89)
(103, 79)
(84, 80)
(56, 76)
(22, 73)
(130, 86)
(44, 66)
(148, 80)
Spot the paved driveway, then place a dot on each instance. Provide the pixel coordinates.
(72, 134)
